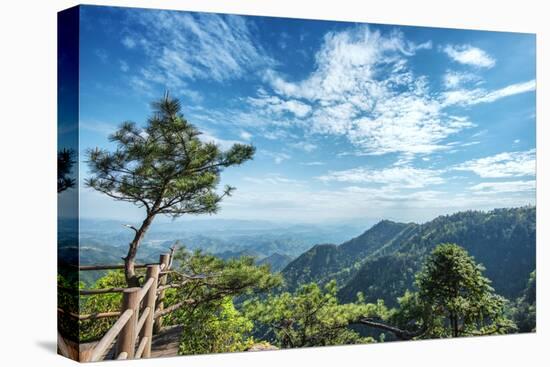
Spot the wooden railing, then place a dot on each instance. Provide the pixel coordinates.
(141, 312)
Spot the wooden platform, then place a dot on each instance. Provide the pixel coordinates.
(166, 343)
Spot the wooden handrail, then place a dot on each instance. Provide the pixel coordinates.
(149, 302)
(98, 315)
(145, 287)
(108, 338)
(126, 341)
(132, 326)
(91, 292)
(164, 261)
(107, 267)
(141, 347)
(142, 319)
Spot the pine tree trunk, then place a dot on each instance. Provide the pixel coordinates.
(130, 259)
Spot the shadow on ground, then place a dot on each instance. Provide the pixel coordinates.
(48, 345)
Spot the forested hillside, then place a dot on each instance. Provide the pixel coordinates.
(325, 262)
(382, 262)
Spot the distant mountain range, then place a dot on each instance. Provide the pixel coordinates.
(106, 241)
(382, 261)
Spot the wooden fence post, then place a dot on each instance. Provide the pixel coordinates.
(164, 259)
(127, 338)
(149, 301)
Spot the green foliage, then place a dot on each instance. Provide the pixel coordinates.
(206, 277)
(503, 240)
(207, 280)
(208, 283)
(164, 167)
(67, 300)
(414, 315)
(524, 311)
(444, 292)
(310, 316)
(382, 261)
(326, 262)
(215, 327)
(451, 286)
(384, 277)
(93, 329)
(65, 162)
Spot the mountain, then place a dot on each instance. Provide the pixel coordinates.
(277, 261)
(382, 261)
(383, 277)
(328, 261)
(215, 236)
(226, 255)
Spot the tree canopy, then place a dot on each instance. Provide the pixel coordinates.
(215, 327)
(453, 285)
(164, 167)
(524, 311)
(311, 316)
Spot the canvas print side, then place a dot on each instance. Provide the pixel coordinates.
(67, 181)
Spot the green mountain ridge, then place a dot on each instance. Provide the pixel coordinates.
(328, 261)
(382, 261)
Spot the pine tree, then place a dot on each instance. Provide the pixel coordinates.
(164, 168)
(454, 299)
(65, 162)
(452, 284)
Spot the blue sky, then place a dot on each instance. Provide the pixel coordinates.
(349, 120)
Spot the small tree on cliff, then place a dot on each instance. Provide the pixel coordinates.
(164, 168)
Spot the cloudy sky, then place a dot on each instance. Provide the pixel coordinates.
(349, 120)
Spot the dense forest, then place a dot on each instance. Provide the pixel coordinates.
(382, 262)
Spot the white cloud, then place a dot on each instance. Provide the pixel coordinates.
(183, 46)
(507, 164)
(399, 176)
(314, 163)
(503, 187)
(363, 89)
(129, 42)
(224, 144)
(305, 146)
(274, 179)
(509, 91)
(469, 55)
(99, 127)
(124, 66)
(276, 105)
(278, 157)
(245, 135)
(193, 95)
(471, 97)
(454, 79)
